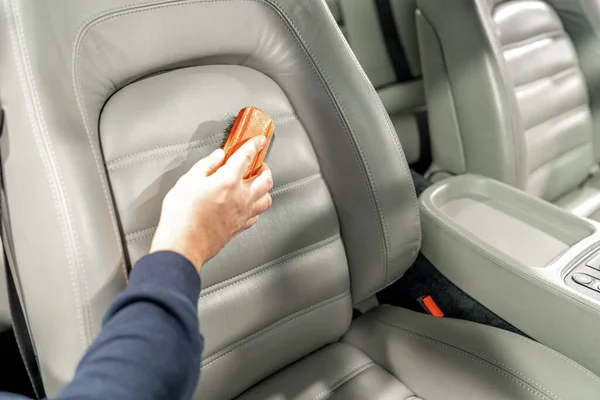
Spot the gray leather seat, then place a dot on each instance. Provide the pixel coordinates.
(402, 96)
(511, 97)
(108, 103)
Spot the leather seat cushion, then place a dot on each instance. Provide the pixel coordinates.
(394, 353)
(584, 201)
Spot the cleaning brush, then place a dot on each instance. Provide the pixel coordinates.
(250, 122)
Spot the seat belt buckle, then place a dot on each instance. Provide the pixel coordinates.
(430, 306)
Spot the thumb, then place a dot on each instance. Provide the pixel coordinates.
(209, 164)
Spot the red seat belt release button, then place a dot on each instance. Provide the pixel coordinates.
(430, 306)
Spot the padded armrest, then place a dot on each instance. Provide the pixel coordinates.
(511, 252)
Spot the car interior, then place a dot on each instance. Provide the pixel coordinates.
(435, 226)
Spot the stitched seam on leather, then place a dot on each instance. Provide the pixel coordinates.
(528, 383)
(50, 167)
(541, 284)
(182, 147)
(295, 184)
(341, 112)
(285, 321)
(162, 151)
(553, 77)
(532, 39)
(288, 187)
(392, 130)
(142, 159)
(563, 115)
(263, 268)
(349, 376)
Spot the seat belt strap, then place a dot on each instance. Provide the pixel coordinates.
(19, 322)
(392, 41)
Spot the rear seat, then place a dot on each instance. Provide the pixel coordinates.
(382, 35)
(508, 98)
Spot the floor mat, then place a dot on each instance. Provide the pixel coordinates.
(424, 279)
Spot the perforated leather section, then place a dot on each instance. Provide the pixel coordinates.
(551, 95)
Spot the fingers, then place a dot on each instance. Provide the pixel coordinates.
(261, 205)
(262, 183)
(250, 222)
(209, 164)
(240, 161)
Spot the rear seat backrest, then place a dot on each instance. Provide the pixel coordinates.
(402, 96)
(507, 97)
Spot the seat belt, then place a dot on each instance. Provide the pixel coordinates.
(403, 73)
(19, 322)
(392, 41)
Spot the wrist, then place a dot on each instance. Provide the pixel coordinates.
(192, 253)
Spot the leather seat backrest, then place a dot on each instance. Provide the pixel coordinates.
(403, 96)
(506, 94)
(581, 19)
(109, 102)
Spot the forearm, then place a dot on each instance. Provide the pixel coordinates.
(149, 346)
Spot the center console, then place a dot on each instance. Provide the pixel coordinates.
(532, 263)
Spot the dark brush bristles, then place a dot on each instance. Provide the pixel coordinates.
(227, 131)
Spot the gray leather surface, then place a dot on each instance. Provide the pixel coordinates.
(456, 360)
(519, 109)
(359, 22)
(98, 165)
(393, 353)
(581, 20)
(551, 94)
(469, 101)
(338, 371)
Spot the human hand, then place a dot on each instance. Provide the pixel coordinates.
(212, 203)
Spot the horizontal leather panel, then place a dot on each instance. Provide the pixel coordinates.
(540, 59)
(560, 95)
(286, 282)
(522, 21)
(338, 371)
(265, 352)
(558, 136)
(562, 174)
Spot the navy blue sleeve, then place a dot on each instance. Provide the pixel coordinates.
(149, 347)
